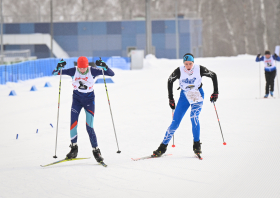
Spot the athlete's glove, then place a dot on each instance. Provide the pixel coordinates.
(102, 64)
(214, 97)
(60, 64)
(275, 56)
(258, 56)
(172, 103)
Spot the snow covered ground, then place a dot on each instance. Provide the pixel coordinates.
(248, 166)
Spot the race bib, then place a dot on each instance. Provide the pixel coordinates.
(193, 96)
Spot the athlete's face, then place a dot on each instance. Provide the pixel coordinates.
(188, 65)
(82, 70)
(267, 56)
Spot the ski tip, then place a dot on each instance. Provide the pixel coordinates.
(198, 156)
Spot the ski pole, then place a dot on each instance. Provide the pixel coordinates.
(173, 134)
(110, 111)
(260, 77)
(224, 143)
(58, 114)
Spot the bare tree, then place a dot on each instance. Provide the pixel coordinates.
(209, 39)
(276, 15)
(263, 17)
(245, 27)
(230, 29)
(199, 7)
(254, 22)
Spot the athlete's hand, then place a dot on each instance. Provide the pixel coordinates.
(102, 64)
(275, 56)
(172, 103)
(214, 97)
(60, 64)
(258, 56)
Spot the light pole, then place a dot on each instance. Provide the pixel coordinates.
(177, 29)
(2, 47)
(51, 28)
(148, 28)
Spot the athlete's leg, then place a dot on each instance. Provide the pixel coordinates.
(75, 112)
(195, 111)
(181, 108)
(267, 82)
(89, 109)
(272, 78)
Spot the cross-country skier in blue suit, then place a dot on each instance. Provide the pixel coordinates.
(83, 97)
(270, 70)
(192, 95)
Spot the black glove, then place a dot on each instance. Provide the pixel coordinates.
(172, 103)
(214, 97)
(258, 56)
(102, 64)
(275, 55)
(60, 64)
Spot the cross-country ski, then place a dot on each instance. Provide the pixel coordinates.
(63, 160)
(150, 157)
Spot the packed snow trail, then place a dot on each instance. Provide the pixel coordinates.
(248, 166)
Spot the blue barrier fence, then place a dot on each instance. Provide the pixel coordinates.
(116, 62)
(44, 67)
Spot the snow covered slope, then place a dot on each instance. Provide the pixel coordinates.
(248, 166)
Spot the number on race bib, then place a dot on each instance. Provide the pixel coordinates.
(193, 96)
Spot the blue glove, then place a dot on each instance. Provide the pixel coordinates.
(60, 64)
(102, 64)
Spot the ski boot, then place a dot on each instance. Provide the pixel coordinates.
(160, 151)
(271, 93)
(74, 151)
(197, 147)
(266, 96)
(97, 154)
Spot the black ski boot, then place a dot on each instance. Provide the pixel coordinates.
(161, 150)
(74, 151)
(197, 147)
(97, 154)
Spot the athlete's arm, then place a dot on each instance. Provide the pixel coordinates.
(275, 57)
(174, 76)
(68, 72)
(206, 72)
(259, 59)
(97, 71)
